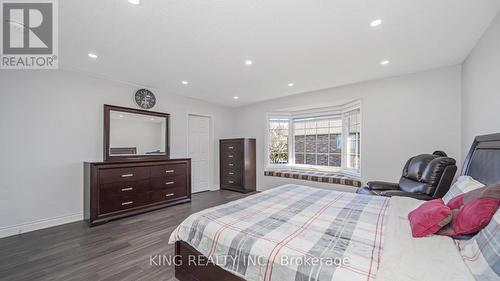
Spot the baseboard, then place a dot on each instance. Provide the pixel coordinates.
(39, 224)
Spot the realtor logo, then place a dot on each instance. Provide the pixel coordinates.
(29, 34)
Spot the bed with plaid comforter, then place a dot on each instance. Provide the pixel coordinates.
(292, 232)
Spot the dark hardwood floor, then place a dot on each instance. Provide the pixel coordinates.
(118, 250)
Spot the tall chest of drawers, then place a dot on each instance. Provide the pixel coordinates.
(118, 189)
(237, 164)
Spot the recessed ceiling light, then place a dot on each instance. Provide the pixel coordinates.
(92, 55)
(376, 23)
(290, 84)
(185, 82)
(384, 62)
(236, 97)
(248, 62)
(135, 2)
(152, 119)
(121, 115)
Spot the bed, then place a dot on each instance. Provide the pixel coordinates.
(296, 232)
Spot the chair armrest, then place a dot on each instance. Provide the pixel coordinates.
(382, 185)
(419, 196)
(445, 182)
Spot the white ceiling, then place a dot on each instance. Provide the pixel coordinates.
(315, 44)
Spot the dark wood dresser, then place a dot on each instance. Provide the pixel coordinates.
(237, 164)
(118, 189)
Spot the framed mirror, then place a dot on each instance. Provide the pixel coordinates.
(134, 134)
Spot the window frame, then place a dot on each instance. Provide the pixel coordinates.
(289, 117)
(281, 117)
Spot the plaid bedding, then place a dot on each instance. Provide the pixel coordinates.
(482, 252)
(292, 232)
(463, 185)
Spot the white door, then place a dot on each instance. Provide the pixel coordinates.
(199, 152)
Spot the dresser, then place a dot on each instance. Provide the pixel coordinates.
(117, 189)
(237, 164)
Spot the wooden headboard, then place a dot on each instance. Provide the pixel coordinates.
(483, 161)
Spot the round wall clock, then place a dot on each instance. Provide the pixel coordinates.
(145, 99)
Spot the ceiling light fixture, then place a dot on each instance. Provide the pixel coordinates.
(376, 23)
(185, 82)
(92, 55)
(248, 62)
(290, 84)
(236, 97)
(134, 2)
(384, 62)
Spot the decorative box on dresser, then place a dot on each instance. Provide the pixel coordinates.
(118, 189)
(237, 164)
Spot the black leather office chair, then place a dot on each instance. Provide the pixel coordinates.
(425, 177)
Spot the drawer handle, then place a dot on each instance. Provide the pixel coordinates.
(170, 182)
(170, 194)
(127, 203)
(169, 171)
(127, 189)
(230, 181)
(231, 147)
(231, 164)
(127, 175)
(231, 173)
(230, 156)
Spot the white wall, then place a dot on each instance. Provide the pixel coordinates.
(50, 122)
(401, 117)
(481, 88)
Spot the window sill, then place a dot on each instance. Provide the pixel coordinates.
(313, 175)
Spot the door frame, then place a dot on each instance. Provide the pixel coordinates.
(211, 145)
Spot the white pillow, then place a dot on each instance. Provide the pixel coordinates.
(462, 185)
(481, 253)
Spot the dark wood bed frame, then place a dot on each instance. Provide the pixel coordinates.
(482, 163)
(187, 271)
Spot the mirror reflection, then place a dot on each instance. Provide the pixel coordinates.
(136, 134)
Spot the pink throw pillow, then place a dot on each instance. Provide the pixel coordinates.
(472, 211)
(475, 215)
(429, 218)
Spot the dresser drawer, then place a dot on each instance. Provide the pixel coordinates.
(169, 182)
(168, 194)
(232, 173)
(232, 180)
(168, 170)
(232, 156)
(117, 188)
(231, 147)
(231, 164)
(123, 174)
(109, 202)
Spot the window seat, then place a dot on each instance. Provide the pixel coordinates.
(325, 177)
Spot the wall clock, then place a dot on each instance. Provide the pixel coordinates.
(145, 99)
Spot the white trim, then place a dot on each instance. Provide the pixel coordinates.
(284, 117)
(311, 113)
(211, 154)
(345, 170)
(38, 224)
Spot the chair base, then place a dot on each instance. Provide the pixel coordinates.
(364, 190)
(389, 193)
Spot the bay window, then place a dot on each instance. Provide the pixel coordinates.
(318, 139)
(278, 141)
